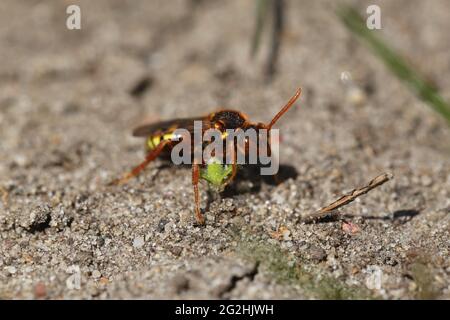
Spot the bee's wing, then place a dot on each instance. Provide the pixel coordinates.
(169, 125)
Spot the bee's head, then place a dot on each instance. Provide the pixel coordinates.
(228, 119)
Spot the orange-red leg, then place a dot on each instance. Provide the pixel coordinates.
(195, 179)
(152, 155)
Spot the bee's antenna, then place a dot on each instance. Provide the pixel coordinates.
(285, 108)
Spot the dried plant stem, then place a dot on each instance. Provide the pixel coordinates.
(349, 197)
(395, 62)
(261, 12)
(277, 30)
(276, 9)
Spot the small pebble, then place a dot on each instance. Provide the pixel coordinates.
(11, 270)
(40, 290)
(286, 235)
(96, 274)
(161, 224)
(138, 242)
(185, 216)
(316, 253)
(176, 250)
(426, 181)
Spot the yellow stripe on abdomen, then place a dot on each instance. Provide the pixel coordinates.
(154, 141)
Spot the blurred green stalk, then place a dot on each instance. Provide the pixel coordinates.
(261, 12)
(263, 8)
(356, 24)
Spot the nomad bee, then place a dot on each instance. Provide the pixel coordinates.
(162, 139)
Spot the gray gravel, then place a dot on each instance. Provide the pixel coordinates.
(67, 110)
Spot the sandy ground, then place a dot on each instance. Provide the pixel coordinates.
(66, 115)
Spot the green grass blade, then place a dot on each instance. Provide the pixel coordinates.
(261, 13)
(356, 24)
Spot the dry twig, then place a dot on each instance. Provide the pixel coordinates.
(349, 197)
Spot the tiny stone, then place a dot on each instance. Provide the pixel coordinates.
(161, 224)
(426, 181)
(138, 242)
(316, 253)
(20, 160)
(11, 269)
(356, 96)
(210, 217)
(96, 274)
(176, 250)
(40, 290)
(286, 235)
(278, 198)
(184, 216)
(168, 227)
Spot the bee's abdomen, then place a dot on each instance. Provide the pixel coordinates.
(154, 140)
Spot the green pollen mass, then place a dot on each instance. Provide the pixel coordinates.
(216, 173)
